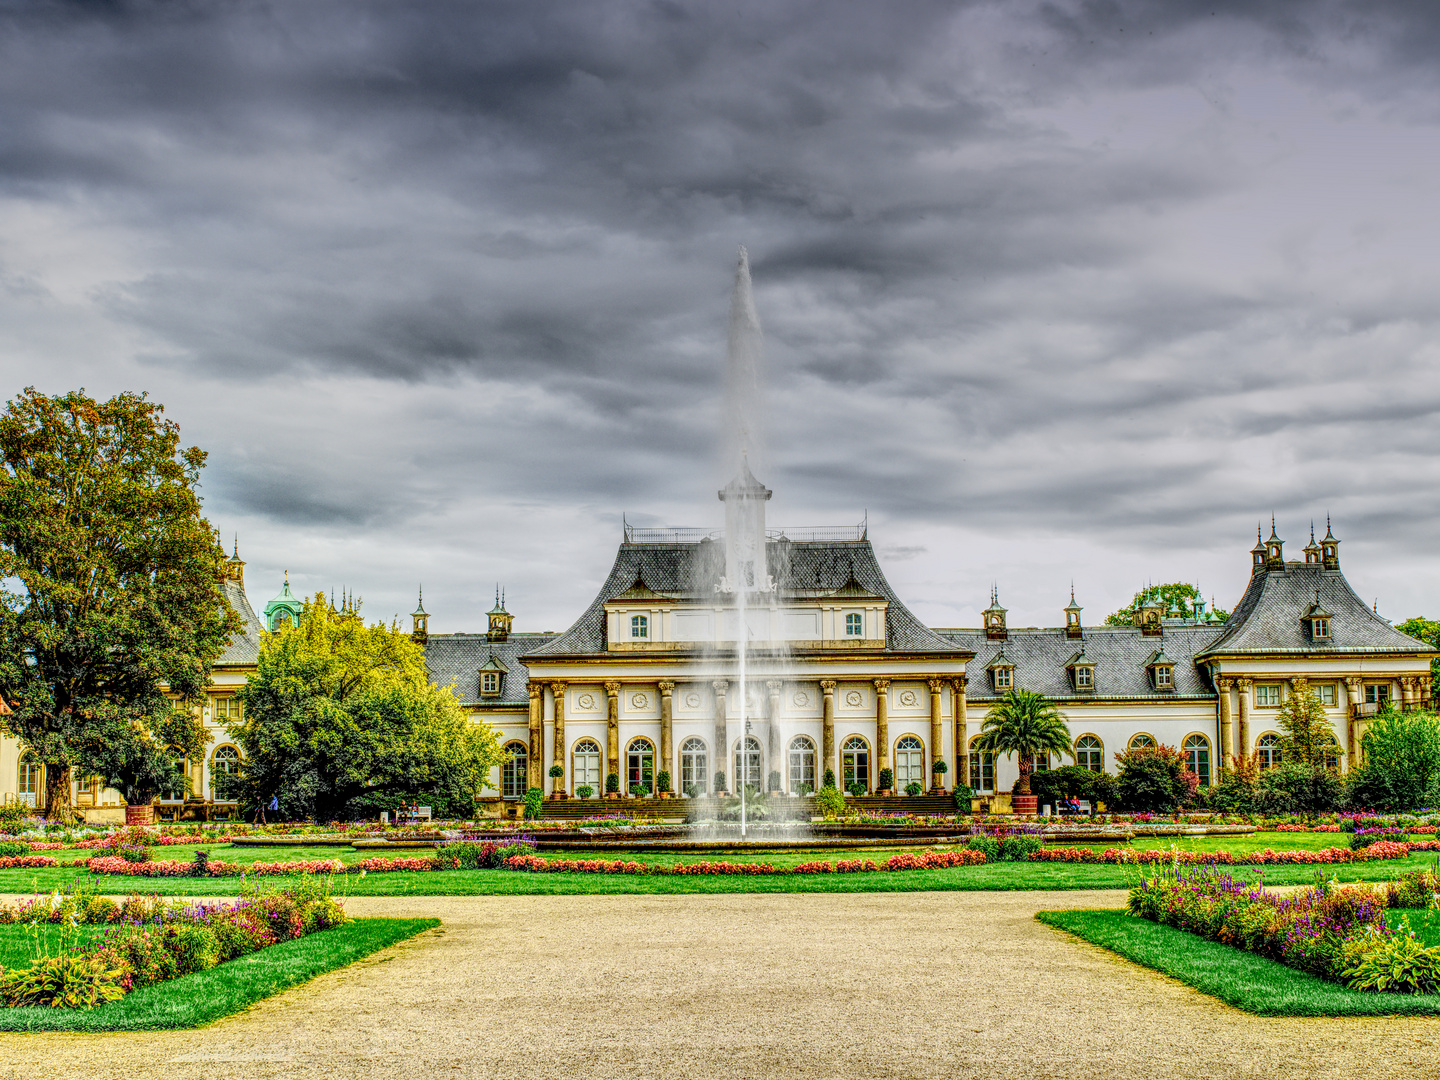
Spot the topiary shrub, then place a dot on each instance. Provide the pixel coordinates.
(886, 780)
(912, 789)
(557, 771)
(662, 782)
(963, 795)
(857, 789)
(940, 768)
(694, 791)
(612, 784)
(720, 781)
(585, 791)
(534, 802)
(829, 780)
(830, 802)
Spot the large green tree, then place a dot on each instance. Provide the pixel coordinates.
(1024, 723)
(113, 590)
(1307, 737)
(1401, 770)
(1428, 631)
(1180, 595)
(341, 720)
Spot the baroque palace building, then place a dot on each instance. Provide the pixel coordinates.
(842, 676)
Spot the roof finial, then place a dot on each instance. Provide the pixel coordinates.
(236, 555)
(1312, 531)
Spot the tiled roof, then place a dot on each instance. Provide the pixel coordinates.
(802, 568)
(456, 659)
(1268, 617)
(1118, 653)
(244, 647)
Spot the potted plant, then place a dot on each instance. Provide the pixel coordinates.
(662, 785)
(557, 773)
(584, 791)
(639, 791)
(938, 771)
(612, 786)
(913, 788)
(856, 788)
(885, 782)
(720, 782)
(829, 780)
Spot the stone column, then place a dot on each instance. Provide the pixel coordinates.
(722, 749)
(882, 727)
(561, 786)
(533, 762)
(827, 735)
(1243, 686)
(1407, 693)
(612, 733)
(1353, 689)
(667, 736)
(777, 757)
(937, 736)
(961, 721)
(1427, 683)
(1227, 724)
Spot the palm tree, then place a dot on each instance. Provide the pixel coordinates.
(1024, 723)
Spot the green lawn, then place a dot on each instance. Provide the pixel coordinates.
(19, 946)
(1244, 980)
(206, 996)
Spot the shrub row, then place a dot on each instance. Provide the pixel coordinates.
(1382, 849)
(931, 860)
(1336, 933)
(460, 855)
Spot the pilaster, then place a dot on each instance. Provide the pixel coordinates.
(827, 737)
(667, 734)
(612, 732)
(557, 691)
(937, 735)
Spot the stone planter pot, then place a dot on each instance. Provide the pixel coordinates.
(1023, 804)
(885, 791)
(140, 815)
(667, 794)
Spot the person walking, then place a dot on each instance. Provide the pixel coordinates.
(274, 807)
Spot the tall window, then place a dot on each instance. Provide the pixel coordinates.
(909, 762)
(854, 625)
(982, 771)
(1002, 678)
(85, 785)
(640, 763)
(747, 763)
(1089, 754)
(1141, 740)
(30, 773)
(855, 762)
(513, 778)
(1197, 757)
(489, 682)
(173, 789)
(802, 764)
(228, 709)
(224, 767)
(1332, 754)
(693, 768)
(587, 764)
(1267, 751)
(639, 628)
(1267, 695)
(1324, 692)
(1377, 693)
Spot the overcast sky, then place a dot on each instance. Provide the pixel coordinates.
(1053, 291)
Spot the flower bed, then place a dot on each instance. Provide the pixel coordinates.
(1336, 933)
(11, 862)
(1383, 849)
(931, 860)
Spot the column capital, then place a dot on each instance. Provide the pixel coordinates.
(666, 687)
(1353, 681)
(775, 685)
(720, 685)
(1225, 684)
(535, 687)
(881, 685)
(827, 687)
(559, 687)
(1244, 685)
(612, 687)
(936, 685)
(960, 682)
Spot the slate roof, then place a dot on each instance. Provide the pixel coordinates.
(1118, 653)
(244, 647)
(802, 568)
(457, 659)
(1267, 619)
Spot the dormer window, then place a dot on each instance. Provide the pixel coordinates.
(854, 625)
(1319, 629)
(1002, 678)
(1164, 677)
(489, 682)
(639, 626)
(1084, 678)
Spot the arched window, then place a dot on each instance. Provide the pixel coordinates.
(694, 770)
(802, 764)
(224, 767)
(513, 776)
(855, 762)
(1089, 753)
(982, 770)
(1197, 757)
(31, 775)
(640, 764)
(1267, 751)
(639, 628)
(1140, 741)
(585, 764)
(909, 762)
(748, 764)
(854, 625)
(1332, 755)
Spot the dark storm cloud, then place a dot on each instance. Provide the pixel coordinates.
(450, 278)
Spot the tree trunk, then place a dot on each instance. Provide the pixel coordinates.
(57, 793)
(1026, 761)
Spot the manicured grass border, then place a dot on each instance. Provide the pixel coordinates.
(206, 996)
(1249, 982)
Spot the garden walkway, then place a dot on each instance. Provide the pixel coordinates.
(757, 986)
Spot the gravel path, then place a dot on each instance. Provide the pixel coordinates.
(755, 986)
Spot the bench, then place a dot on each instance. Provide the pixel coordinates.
(404, 814)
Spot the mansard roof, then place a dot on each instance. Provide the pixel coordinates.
(1118, 654)
(244, 647)
(812, 569)
(1268, 618)
(456, 659)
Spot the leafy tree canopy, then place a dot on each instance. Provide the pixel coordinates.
(1307, 737)
(1024, 723)
(1428, 631)
(117, 590)
(1179, 594)
(1401, 770)
(341, 720)
(1154, 778)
